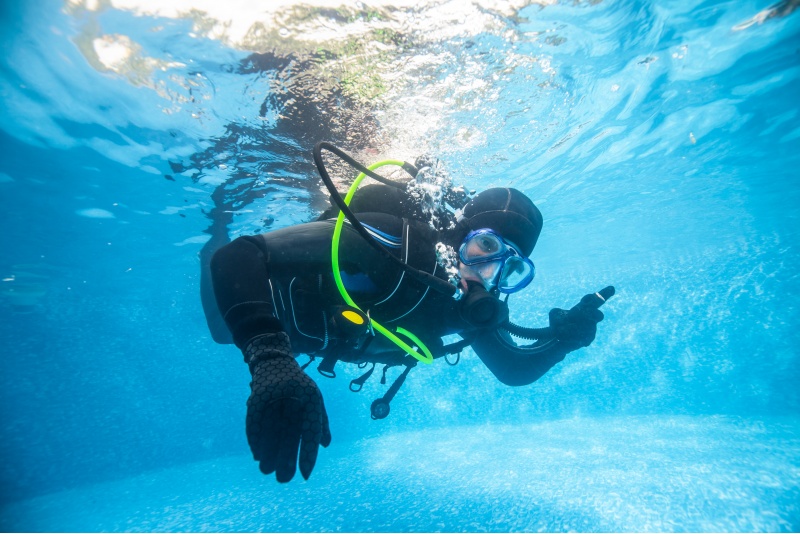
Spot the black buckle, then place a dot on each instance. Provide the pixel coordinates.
(359, 382)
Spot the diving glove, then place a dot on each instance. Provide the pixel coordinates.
(577, 327)
(285, 411)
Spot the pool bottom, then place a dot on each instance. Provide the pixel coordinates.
(613, 474)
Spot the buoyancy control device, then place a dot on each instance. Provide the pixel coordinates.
(478, 307)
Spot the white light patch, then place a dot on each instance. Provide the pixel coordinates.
(112, 51)
(196, 240)
(172, 210)
(150, 169)
(96, 213)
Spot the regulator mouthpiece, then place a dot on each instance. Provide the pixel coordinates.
(481, 309)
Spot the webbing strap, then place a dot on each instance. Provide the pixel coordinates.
(357, 383)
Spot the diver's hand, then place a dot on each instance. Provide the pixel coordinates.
(285, 411)
(577, 327)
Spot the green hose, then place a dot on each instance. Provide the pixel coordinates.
(337, 276)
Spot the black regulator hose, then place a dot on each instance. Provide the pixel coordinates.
(437, 284)
(410, 169)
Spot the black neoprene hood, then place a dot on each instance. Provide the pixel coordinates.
(508, 212)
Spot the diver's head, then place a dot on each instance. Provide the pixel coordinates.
(508, 212)
(502, 226)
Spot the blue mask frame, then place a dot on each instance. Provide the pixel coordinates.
(506, 251)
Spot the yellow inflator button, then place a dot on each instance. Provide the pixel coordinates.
(353, 317)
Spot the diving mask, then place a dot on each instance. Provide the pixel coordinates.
(497, 261)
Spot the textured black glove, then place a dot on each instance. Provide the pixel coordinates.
(577, 327)
(285, 411)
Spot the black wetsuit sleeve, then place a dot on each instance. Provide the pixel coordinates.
(240, 278)
(517, 365)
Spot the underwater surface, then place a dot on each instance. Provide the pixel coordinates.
(661, 141)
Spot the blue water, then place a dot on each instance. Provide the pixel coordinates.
(661, 141)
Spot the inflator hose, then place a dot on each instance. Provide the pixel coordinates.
(426, 356)
(437, 284)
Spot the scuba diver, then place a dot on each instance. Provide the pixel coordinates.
(379, 279)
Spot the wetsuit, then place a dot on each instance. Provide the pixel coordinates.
(277, 297)
(282, 281)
